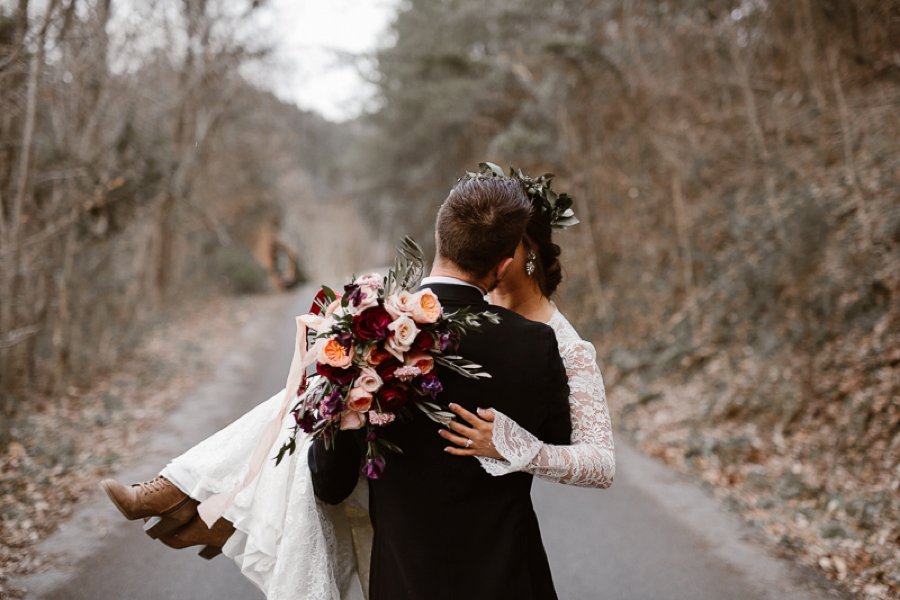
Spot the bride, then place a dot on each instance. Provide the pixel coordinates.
(221, 496)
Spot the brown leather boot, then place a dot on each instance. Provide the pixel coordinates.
(157, 497)
(196, 533)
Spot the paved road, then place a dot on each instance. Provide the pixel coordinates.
(652, 535)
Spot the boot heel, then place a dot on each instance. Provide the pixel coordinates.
(172, 519)
(159, 526)
(210, 552)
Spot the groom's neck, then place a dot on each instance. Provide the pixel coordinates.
(444, 268)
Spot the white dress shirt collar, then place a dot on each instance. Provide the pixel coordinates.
(449, 280)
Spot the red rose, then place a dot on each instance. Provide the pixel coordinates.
(423, 342)
(392, 396)
(386, 368)
(372, 323)
(335, 375)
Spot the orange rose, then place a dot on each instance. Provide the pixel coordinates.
(374, 356)
(424, 362)
(334, 354)
(426, 308)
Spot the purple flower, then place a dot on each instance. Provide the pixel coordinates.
(306, 421)
(354, 293)
(373, 468)
(448, 340)
(344, 339)
(431, 385)
(331, 405)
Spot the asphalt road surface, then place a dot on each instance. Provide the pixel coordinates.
(652, 535)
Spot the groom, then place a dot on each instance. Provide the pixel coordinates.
(443, 528)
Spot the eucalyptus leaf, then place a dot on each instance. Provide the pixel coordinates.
(495, 169)
(390, 445)
(566, 222)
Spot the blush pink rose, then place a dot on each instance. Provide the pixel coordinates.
(369, 380)
(350, 419)
(400, 304)
(368, 297)
(359, 400)
(403, 333)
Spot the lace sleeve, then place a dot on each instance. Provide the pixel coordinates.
(590, 460)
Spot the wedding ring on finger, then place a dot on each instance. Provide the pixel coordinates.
(469, 443)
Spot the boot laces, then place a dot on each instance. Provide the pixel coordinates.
(156, 484)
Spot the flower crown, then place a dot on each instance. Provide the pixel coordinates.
(557, 207)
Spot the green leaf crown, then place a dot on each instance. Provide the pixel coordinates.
(557, 207)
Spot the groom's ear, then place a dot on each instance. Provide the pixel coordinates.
(503, 267)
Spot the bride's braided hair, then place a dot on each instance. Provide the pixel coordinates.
(550, 210)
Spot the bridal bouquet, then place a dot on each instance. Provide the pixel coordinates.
(376, 347)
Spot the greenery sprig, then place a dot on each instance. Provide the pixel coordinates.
(558, 207)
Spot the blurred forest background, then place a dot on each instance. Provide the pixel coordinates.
(734, 164)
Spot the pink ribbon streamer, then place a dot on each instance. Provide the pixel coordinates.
(211, 509)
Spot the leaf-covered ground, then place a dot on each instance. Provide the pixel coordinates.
(817, 470)
(66, 444)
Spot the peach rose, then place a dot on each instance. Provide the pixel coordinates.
(351, 419)
(424, 362)
(332, 353)
(368, 380)
(359, 400)
(426, 307)
(400, 304)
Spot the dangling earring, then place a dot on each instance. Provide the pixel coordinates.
(529, 265)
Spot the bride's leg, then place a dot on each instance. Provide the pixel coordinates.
(209, 466)
(196, 533)
(157, 497)
(219, 462)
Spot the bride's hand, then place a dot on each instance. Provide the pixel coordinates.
(480, 432)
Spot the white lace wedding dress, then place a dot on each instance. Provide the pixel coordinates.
(296, 548)
(590, 460)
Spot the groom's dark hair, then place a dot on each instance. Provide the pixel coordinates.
(481, 222)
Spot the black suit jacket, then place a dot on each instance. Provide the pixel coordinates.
(443, 528)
